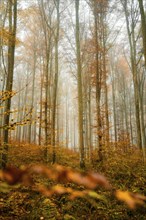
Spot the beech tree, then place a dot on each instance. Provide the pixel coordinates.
(57, 4)
(47, 10)
(79, 81)
(99, 13)
(12, 13)
(132, 43)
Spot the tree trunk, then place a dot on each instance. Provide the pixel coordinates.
(55, 83)
(114, 107)
(98, 87)
(41, 108)
(24, 134)
(143, 27)
(32, 96)
(79, 82)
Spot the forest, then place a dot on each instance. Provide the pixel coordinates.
(73, 109)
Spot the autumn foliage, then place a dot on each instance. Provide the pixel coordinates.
(62, 175)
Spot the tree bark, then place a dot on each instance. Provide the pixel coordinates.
(143, 27)
(54, 101)
(32, 95)
(79, 82)
(98, 86)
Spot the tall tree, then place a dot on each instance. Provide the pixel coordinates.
(96, 9)
(79, 82)
(130, 22)
(55, 84)
(10, 73)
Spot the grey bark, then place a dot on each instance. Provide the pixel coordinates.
(79, 82)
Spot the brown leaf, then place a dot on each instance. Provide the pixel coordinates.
(99, 179)
(12, 175)
(90, 180)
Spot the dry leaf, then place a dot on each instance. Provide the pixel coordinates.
(130, 199)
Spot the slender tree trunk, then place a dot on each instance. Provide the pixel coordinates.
(105, 76)
(74, 126)
(47, 89)
(19, 113)
(58, 123)
(114, 108)
(32, 97)
(125, 105)
(143, 135)
(41, 108)
(98, 87)
(24, 136)
(106, 102)
(34, 133)
(57, 2)
(66, 126)
(50, 98)
(79, 81)
(131, 128)
(90, 125)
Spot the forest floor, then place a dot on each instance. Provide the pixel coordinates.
(123, 168)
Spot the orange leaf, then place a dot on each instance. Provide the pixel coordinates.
(130, 199)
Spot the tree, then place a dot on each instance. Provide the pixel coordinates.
(96, 12)
(10, 71)
(79, 82)
(55, 84)
(132, 44)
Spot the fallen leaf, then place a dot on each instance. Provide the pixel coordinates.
(130, 199)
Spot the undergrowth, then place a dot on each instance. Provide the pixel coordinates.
(124, 169)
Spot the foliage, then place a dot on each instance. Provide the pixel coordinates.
(8, 38)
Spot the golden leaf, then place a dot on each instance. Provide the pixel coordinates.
(130, 199)
(8, 37)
